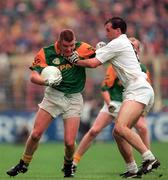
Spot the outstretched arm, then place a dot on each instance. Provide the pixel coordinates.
(90, 63)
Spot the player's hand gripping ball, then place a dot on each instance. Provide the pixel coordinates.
(52, 76)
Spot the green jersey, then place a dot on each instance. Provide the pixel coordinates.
(73, 77)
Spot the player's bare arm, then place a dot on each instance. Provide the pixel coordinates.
(90, 63)
(36, 78)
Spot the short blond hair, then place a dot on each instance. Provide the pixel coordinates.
(136, 43)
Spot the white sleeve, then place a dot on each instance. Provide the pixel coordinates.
(106, 53)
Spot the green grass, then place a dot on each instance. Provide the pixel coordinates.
(102, 162)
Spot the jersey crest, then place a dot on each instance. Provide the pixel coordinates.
(56, 61)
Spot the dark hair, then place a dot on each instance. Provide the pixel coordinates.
(117, 22)
(67, 35)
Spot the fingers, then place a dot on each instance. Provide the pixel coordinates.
(112, 107)
(53, 82)
(100, 45)
(73, 58)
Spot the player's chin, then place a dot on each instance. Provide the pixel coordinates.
(67, 54)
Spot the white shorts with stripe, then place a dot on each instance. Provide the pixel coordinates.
(115, 113)
(141, 91)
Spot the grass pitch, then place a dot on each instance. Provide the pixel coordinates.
(101, 162)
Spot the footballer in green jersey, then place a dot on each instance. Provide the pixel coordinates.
(62, 97)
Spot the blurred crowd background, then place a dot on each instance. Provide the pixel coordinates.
(28, 25)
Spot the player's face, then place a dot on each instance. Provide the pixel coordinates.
(110, 32)
(67, 47)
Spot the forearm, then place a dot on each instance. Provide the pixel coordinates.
(37, 79)
(106, 97)
(90, 63)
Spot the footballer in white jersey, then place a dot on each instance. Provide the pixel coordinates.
(138, 95)
(120, 53)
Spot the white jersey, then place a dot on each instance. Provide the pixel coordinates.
(120, 53)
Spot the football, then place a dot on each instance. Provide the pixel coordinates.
(50, 72)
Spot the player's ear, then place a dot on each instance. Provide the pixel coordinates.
(118, 31)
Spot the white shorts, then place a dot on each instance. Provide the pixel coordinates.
(140, 91)
(58, 103)
(115, 113)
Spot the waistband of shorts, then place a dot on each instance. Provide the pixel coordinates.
(136, 80)
(53, 91)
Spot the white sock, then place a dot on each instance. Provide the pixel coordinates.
(148, 155)
(132, 167)
(74, 163)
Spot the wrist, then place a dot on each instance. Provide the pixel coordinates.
(108, 102)
(76, 62)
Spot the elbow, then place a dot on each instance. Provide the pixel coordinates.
(32, 79)
(34, 76)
